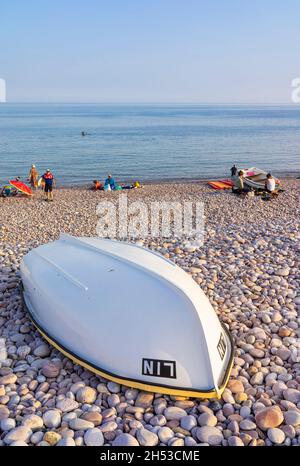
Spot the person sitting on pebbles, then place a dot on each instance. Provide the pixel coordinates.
(97, 186)
(270, 184)
(7, 191)
(238, 187)
(109, 183)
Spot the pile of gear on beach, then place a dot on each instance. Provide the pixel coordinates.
(250, 182)
(46, 182)
(111, 185)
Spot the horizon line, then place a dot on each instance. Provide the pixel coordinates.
(147, 103)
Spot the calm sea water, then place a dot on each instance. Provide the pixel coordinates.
(146, 142)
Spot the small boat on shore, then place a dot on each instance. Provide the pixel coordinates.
(255, 178)
(127, 314)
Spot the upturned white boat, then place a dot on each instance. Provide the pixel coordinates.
(127, 314)
(255, 178)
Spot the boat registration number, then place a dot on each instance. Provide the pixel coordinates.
(159, 368)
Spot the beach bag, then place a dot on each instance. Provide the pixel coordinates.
(107, 187)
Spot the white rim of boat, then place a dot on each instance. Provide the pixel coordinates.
(134, 383)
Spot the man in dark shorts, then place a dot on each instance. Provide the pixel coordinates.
(49, 181)
(233, 171)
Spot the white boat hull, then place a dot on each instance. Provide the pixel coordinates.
(255, 178)
(127, 314)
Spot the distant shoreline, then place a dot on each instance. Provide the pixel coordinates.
(150, 182)
(162, 181)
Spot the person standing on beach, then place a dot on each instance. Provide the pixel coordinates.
(233, 171)
(49, 182)
(33, 177)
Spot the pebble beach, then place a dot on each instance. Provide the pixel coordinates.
(249, 268)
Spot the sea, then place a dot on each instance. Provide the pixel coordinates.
(147, 142)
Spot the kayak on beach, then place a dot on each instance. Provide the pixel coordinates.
(220, 185)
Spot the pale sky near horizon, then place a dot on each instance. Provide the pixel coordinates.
(187, 51)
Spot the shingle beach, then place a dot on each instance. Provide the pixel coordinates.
(248, 266)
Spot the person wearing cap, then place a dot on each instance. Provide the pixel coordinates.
(49, 181)
(33, 177)
(110, 182)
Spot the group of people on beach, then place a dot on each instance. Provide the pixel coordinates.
(111, 185)
(47, 183)
(238, 177)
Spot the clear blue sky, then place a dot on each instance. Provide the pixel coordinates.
(149, 50)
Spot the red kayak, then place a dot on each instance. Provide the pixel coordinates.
(22, 187)
(222, 184)
(228, 182)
